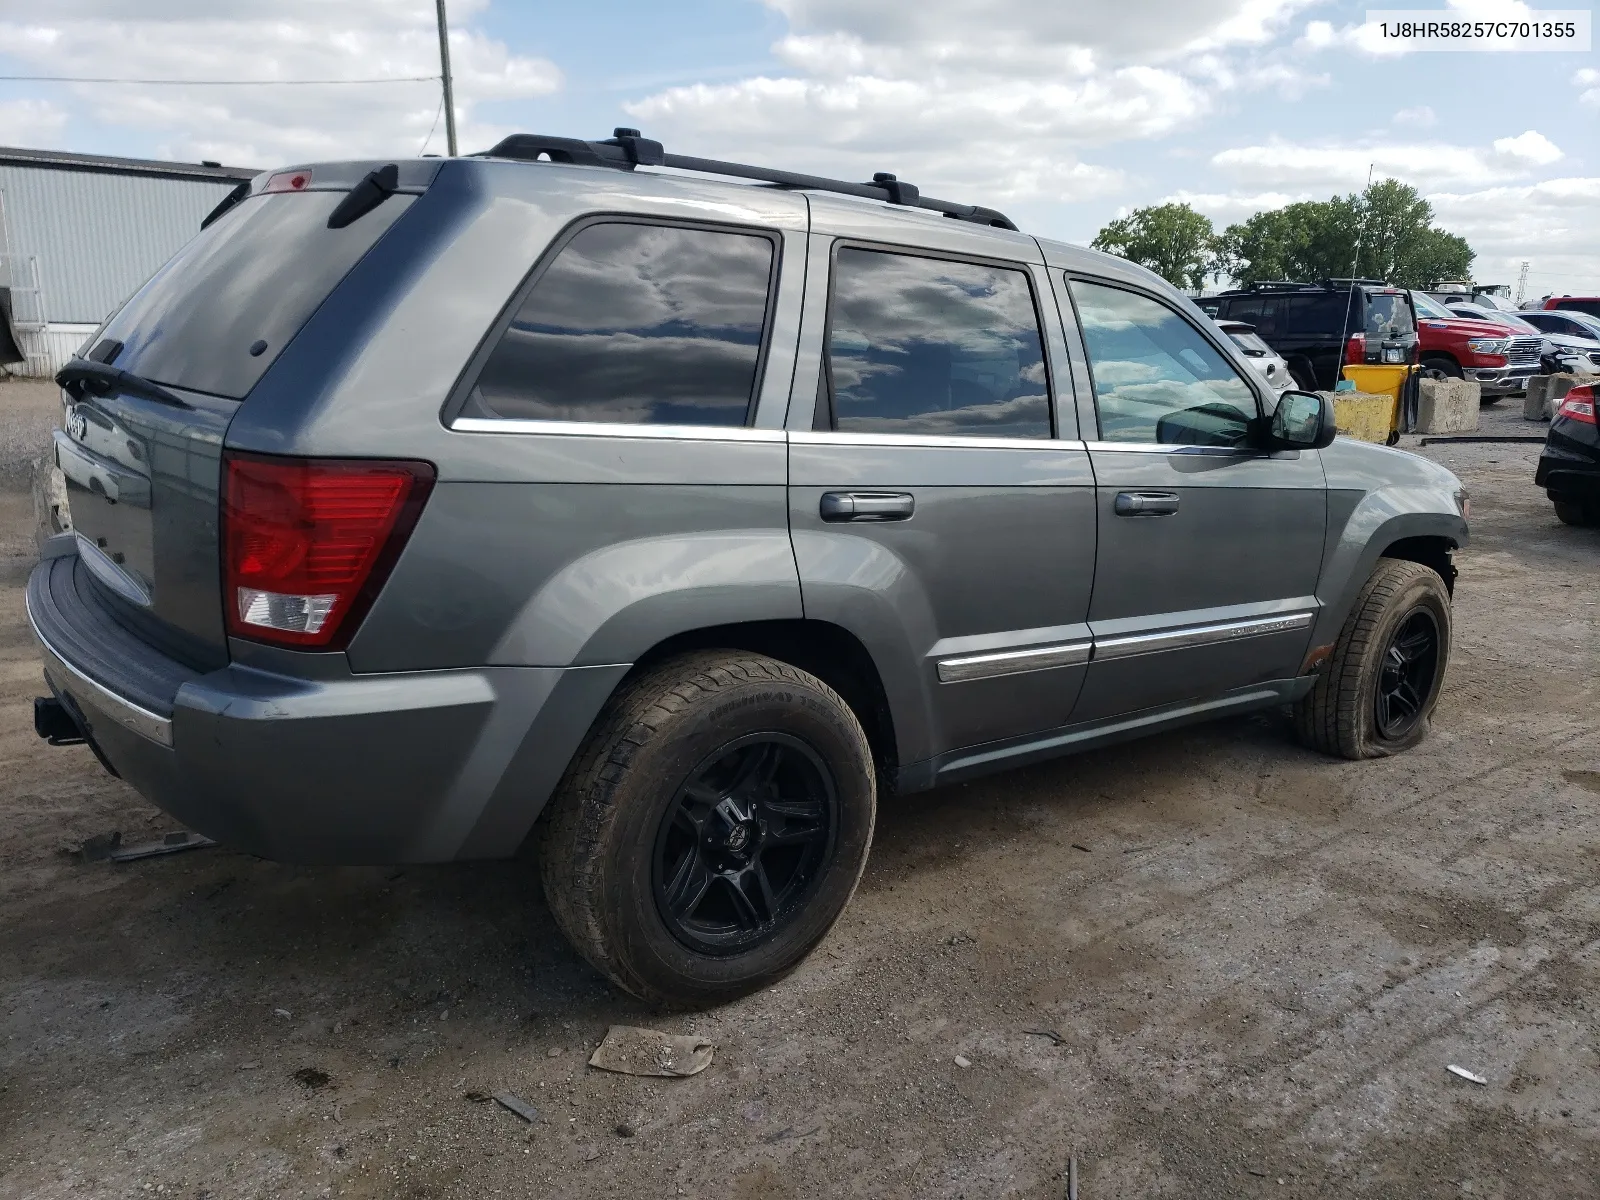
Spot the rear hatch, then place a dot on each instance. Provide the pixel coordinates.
(1391, 327)
(143, 463)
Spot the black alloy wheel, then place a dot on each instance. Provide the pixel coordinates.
(1406, 675)
(743, 843)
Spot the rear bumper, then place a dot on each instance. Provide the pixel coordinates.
(422, 766)
(1569, 466)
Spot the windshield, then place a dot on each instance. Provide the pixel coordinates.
(1388, 315)
(1249, 343)
(1427, 306)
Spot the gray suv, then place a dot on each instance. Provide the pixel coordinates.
(661, 514)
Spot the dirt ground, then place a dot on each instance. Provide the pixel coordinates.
(1209, 964)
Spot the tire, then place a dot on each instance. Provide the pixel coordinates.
(1448, 366)
(1576, 512)
(1342, 714)
(1304, 377)
(730, 724)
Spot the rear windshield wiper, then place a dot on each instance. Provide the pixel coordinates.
(102, 380)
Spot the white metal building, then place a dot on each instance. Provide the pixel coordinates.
(79, 233)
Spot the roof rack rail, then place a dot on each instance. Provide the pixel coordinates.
(627, 149)
(1278, 285)
(1336, 282)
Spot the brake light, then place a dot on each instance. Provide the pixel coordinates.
(307, 543)
(288, 181)
(1355, 350)
(1578, 405)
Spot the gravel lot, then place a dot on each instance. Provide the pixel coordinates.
(1254, 965)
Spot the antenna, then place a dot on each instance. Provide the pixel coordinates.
(444, 69)
(1522, 283)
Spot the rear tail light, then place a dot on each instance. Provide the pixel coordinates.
(1578, 405)
(1355, 350)
(307, 543)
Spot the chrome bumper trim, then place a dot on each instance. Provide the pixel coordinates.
(99, 697)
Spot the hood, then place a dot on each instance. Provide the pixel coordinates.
(1466, 327)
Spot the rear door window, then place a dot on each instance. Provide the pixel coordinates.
(934, 346)
(639, 324)
(1320, 314)
(1156, 379)
(220, 312)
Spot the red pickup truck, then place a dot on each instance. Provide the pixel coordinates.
(1495, 357)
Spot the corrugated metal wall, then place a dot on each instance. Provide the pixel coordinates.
(98, 236)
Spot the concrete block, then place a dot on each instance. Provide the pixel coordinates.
(1533, 401)
(1447, 405)
(1367, 416)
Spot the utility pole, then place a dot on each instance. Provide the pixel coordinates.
(444, 76)
(1522, 283)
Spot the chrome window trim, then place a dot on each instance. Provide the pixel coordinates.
(612, 429)
(1217, 633)
(812, 437)
(966, 667)
(1176, 448)
(131, 716)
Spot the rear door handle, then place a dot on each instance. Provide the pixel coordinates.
(867, 506)
(1145, 504)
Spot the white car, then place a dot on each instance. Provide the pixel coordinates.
(1262, 356)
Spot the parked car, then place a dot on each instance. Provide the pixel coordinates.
(1490, 351)
(667, 522)
(1486, 300)
(1318, 328)
(1583, 304)
(1260, 355)
(1569, 330)
(1569, 467)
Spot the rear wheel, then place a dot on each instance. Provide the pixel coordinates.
(1577, 512)
(1377, 691)
(712, 828)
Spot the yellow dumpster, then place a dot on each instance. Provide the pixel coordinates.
(1367, 420)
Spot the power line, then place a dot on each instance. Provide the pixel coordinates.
(216, 82)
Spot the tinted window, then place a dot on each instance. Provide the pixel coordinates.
(1249, 343)
(1245, 308)
(1388, 315)
(651, 324)
(257, 273)
(1155, 378)
(1592, 307)
(921, 345)
(1320, 313)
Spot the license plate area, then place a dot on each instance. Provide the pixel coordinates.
(1393, 355)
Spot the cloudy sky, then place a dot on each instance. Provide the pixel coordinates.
(1062, 114)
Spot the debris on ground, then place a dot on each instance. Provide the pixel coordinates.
(516, 1104)
(963, 1061)
(172, 843)
(1081, 846)
(1466, 1074)
(99, 847)
(311, 1077)
(1054, 1036)
(1072, 1178)
(478, 1097)
(630, 1050)
(282, 1012)
(788, 1132)
(623, 1130)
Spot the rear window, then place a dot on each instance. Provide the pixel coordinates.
(1389, 315)
(638, 324)
(255, 275)
(1249, 343)
(1592, 307)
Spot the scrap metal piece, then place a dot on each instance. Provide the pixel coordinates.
(630, 1050)
(516, 1104)
(1466, 1074)
(172, 843)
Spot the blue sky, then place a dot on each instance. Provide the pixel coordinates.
(1062, 115)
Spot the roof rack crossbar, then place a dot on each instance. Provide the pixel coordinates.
(628, 149)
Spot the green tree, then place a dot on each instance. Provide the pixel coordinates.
(1173, 240)
(1390, 223)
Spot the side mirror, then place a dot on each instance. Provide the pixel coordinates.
(1302, 421)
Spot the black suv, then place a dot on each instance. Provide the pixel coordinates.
(1318, 328)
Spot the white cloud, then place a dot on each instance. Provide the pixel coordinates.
(1337, 166)
(33, 123)
(289, 39)
(1554, 225)
(1010, 96)
(1422, 117)
(1588, 79)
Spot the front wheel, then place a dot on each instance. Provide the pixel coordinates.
(1379, 687)
(1576, 512)
(712, 828)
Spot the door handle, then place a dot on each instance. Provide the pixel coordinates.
(1145, 504)
(867, 506)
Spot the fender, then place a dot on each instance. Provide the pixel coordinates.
(1356, 541)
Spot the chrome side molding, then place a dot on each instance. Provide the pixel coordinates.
(1199, 635)
(1012, 662)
